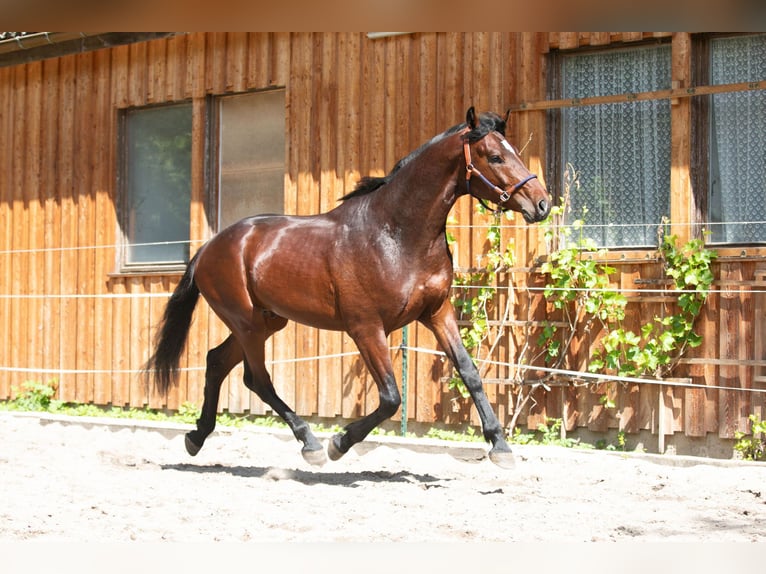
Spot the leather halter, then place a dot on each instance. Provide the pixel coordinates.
(470, 170)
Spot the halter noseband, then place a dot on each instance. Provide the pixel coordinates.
(471, 169)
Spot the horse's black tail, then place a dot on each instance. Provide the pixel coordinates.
(171, 336)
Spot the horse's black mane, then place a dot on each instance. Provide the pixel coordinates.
(488, 122)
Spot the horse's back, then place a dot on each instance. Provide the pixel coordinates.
(275, 262)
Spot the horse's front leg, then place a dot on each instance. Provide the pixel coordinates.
(374, 350)
(444, 326)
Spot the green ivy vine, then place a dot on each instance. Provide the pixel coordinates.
(578, 286)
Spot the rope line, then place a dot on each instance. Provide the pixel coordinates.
(564, 372)
(648, 291)
(505, 225)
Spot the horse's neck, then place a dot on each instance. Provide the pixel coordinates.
(422, 194)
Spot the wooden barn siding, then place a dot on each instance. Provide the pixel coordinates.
(354, 106)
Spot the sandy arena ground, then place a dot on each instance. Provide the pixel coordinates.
(96, 481)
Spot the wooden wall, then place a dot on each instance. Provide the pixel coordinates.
(354, 106)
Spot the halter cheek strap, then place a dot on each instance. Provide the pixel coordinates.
(470, 170)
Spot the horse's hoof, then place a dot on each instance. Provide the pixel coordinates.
(332, 448)
(503, 458)
(191, 447)
(314, 457)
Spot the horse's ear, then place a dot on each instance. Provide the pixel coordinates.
(470, 117)
(507, 116)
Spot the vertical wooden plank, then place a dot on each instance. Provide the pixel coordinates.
(699, 404)
(351, 162)
(457, 55)
(648, 395)
(309, 61)
(138, 74)
(630, 394)
(192, 384)
(51, 220)
(105, 217)
(35, 242)
(281, 55)
(155, 307)
(20, 256)
(529, 86)
(599, 38)
(568, 40)
(729, 316)
(298, 182)
(120, 339)
(375, 154)
(6, 229)
(139, 341)
(236, 62)
(745, 333)
(68, 239)
(120, 62)
(428, 368)
(85, 238)
(157, 71)
(195, 65)
(403, 132)
(711, 344)
(496, 85)
(331, 110)
(215, 73)
(177, 394)
(176, 68)
(681, 204)
(258, 59)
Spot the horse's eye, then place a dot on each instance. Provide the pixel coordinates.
(495, 159)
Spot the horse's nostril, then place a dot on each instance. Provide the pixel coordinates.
(542, 206)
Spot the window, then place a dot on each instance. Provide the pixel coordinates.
(157, 184)
(737, 142)
(622, 150)
(251, 155)
(248, 143)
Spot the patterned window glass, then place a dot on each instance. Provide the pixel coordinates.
(251, 155)
(737, 210)
(622, 150)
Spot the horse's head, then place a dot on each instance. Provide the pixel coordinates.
(495, 172)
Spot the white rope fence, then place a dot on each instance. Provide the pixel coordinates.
(574, 375)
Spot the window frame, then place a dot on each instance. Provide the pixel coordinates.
(122, 264)
(701, 132)
(554, 161)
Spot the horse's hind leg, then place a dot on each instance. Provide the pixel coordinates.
(220, 361)
(258, 380)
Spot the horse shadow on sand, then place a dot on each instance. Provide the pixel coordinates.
(312, 477)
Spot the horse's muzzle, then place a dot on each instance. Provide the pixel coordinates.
(541, 210)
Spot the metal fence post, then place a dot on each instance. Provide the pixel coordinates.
(405, 336)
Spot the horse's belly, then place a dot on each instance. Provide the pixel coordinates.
(298, 295)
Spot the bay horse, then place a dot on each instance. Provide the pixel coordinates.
(373, 264)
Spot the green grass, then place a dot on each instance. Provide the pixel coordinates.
(34, 396)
